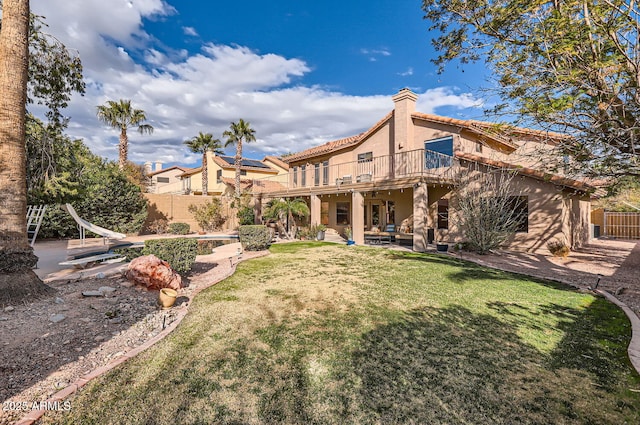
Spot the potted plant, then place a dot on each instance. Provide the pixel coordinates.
(320, 229)
(349, 234)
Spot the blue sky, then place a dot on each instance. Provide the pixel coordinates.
(302, 72)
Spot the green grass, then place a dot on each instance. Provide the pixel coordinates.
(325, 334)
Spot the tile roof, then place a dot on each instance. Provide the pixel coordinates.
(336, 145)
(257, 185)
(529, 172)
(491, 129)
(278, 161)
(190, 171)
(179, 167)
(480, 128)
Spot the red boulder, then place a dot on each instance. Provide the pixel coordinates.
(154, 273)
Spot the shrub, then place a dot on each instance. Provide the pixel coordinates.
(180, 253)
(208, 216)
(129, 253)
(306, 233)
(158, 226)
(245, 216)
(113, 202)
(255, 237)
(179, 228)
(558, 248)
(57, 223)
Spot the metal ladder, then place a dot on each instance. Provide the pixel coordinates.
(35, 214)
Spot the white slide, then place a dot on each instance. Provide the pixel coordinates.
(85, 225)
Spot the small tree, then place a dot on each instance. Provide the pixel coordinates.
(208, 216)
(285, 211)
(489, 211)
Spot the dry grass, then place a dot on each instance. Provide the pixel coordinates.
(328, 334)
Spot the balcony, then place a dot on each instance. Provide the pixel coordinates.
(411, 165)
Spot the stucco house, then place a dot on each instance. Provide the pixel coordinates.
(165, 180)
(221, 170)
(406, 170)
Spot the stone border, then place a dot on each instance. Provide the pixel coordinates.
(634, 346)
(58, 397)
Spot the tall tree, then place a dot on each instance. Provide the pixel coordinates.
(563, 65)
(203, 143)
(17, 279)
(237, 134)
(120, 115)
(55, 72)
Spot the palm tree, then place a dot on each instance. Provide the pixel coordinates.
(239, 132)
(203, 143)
(120, 115)
(17, 279)
(286, 210)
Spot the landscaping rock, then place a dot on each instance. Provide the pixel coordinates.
(106, 290)
(9, 308)
(153, 273)
(55, 318)
(93, 294)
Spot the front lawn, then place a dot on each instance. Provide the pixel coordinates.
(329, 334)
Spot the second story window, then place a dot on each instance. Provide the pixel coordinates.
(438, 152)
(303, 176)
(295, 176)
(163, 179)
(325, 173)
(243, 172)
(219, 176)
(316, 174)
(365, 157)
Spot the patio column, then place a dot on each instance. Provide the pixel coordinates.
(420, 214)
(357, 217)
(315, 210)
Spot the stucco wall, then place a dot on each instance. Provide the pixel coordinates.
(175, 209)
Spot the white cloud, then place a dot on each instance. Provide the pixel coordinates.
(374, 54)
(406, 73)
(183, 93)
(190, 31)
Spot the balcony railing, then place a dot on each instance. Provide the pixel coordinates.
(416, 163)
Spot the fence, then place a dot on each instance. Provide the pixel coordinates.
(622, 225)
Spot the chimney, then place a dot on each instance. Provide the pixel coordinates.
(158, 166)
(405, 105)
(147, 168)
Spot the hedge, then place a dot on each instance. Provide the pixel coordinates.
(255, 237)
(179, 228)
(180, 253)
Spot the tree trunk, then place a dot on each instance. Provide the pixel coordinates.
(238, 164)
(123, 149)
(17, 279)
(205, 175)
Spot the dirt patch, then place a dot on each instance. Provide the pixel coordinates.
(51, 342)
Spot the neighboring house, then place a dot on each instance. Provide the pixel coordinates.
(221, 167)
(166, 180)
(406, 171)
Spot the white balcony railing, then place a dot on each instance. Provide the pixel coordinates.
(416, 163)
